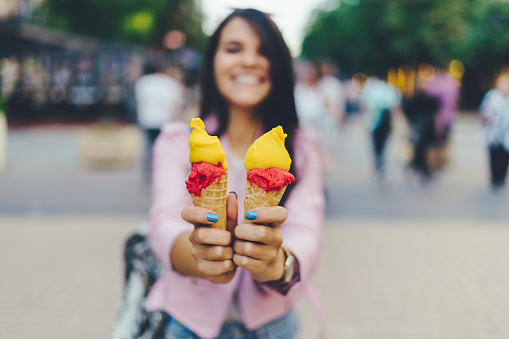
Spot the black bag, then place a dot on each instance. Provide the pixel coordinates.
(141, 271)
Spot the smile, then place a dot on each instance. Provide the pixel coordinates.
(247, 79)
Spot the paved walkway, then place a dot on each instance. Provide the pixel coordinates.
(393, 279)
(408, 279)
(400, 261)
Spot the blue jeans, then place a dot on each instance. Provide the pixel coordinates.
(282, 328)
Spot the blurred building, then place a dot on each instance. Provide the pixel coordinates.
(17, 8)
(52, 76)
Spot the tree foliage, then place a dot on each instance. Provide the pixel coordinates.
(375, 35)
(138, 21)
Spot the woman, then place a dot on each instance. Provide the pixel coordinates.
(160, 97)
(495, 114)
(420, 111)
(311, 107)
(235, 284)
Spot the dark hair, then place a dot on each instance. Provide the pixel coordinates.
(279, 106)
(160, 64)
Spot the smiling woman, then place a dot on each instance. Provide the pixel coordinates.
(242, 282)
(242, 72)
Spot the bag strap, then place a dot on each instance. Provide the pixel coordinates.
(141, 271)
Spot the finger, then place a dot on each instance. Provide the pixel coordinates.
(273, 216)
(223, 278)
(255, 266)
(208, 252)
(212, 268)
(259, 233)
(232, 211)
(210, 236)
(199, 215)
(255, 250)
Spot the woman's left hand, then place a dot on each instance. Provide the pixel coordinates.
(257, 246)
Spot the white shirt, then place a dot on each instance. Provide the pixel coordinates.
(495, 108)
(333, 93)
(310, 106)
(159, 99)
(313, 115)
(377, 96)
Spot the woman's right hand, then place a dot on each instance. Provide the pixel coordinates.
(211, 248)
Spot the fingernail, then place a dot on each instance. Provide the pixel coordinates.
(235, 194)
(251, 215)
(213, 217)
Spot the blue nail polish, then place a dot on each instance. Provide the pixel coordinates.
(251, 215)
(213, 217)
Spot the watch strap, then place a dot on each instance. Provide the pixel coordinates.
(284, 288)
(289, 260)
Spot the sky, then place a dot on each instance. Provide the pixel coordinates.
(291, 16)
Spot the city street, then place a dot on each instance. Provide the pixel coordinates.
(400, 261)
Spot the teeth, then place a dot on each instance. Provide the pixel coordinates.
(247, 79)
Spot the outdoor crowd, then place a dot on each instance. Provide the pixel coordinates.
(325, 104)
(186, 279)
(82, 86)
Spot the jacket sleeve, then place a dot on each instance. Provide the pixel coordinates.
(302, 231)
(169, 193)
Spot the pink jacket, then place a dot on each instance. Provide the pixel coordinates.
(197, 303)
(447, 89)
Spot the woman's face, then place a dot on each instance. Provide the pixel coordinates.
(241, 71)
(503, 84)
(306, 73)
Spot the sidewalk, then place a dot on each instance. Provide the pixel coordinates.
(399, 261)
(393, 279)
(44, 175)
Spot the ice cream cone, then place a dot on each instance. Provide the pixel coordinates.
(258, 197)
(214, 198)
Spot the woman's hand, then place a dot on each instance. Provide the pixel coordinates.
(257, 246)
(210, 247)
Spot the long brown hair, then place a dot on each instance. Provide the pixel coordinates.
(279, 106)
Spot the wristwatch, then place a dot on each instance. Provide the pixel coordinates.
(289, 268)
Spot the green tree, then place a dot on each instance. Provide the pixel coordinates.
(143, 22)
(489, 36)
(375, 35)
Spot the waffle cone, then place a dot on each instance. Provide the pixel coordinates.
(214, 198)
(258, 197)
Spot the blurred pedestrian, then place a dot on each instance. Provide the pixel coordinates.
(3, 131)
(160, 98)
(379, 99)
(310, 102)
(332, 92)
(420, 111)
(494, 111)
(446, 89)
(352, 89)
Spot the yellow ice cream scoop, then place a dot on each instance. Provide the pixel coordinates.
(205, 147)
(269, 151)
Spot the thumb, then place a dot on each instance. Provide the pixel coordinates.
(232, 212)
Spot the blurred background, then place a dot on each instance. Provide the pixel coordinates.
(416, 230)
